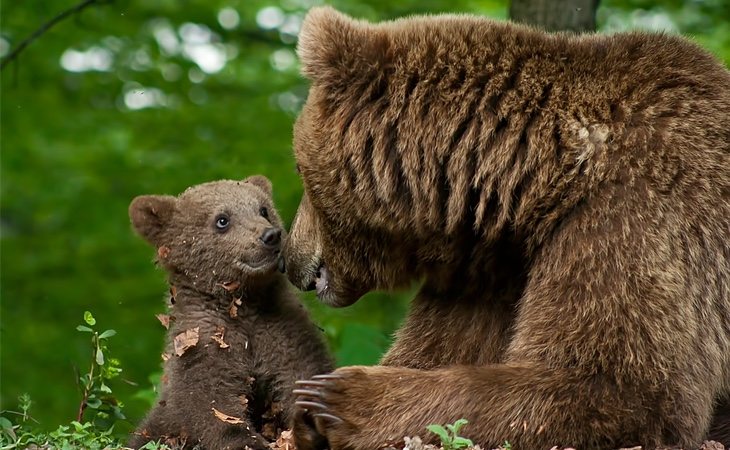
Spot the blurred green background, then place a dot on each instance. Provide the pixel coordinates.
(136, 97)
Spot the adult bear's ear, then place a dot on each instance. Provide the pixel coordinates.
(334, 48)
(150, 215)
(260, 181)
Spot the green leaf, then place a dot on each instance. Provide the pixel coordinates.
(93, 403)
(107, 334)
(105, 389)
(7, 428)
(460, 442)
(99, 357)
(439, 431)
(5, 423)
(89, 319)
(85, 329)
(458, 424)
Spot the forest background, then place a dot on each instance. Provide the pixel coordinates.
(135, 97)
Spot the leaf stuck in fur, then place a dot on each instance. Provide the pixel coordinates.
(230, 286)
(163, 252)
(226, 418)
(164, 320)
(233, 309)
(218, 337)
(244, 400)
(186, 340)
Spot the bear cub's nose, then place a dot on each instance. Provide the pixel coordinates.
(271, 237)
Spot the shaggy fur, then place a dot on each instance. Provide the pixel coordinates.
(565, 200)
(270, 340)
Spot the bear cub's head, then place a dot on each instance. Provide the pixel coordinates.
(213, 234)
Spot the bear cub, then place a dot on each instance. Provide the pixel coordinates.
(238, 338)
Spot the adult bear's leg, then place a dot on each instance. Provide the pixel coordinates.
(447, 331)
(463, 319)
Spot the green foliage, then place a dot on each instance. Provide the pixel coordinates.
(97, 413)
(154, 445)
(98, 403)
(449, 435)
(66, 437)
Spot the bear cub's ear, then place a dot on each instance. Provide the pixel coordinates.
(150, 215)
(260, 181)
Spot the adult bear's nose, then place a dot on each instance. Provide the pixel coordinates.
(271, 237)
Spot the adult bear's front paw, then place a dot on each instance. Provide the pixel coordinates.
(340, 406)
(305, 433)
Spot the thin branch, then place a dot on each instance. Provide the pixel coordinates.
(45, 27)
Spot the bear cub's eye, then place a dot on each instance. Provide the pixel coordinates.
(264, 212)
(222, 222)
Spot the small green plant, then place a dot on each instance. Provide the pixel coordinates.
(97, 399)
(449, 435)
(98, 410)
(506, 446)
(154, 445)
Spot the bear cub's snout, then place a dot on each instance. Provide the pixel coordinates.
(271, 238)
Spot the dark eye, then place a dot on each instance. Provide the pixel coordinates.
(222, 222)
(264, 212)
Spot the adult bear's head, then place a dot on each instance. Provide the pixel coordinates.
(338, 244)
(386, 162)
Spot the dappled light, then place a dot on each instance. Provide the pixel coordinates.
(228, 18)
(95, 58)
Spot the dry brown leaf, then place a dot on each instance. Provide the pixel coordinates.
(286, 441)
(230, 286)
(163, 252)
(233, 309)
(164, 320)
(218, 337)
(226, 418)
(244, 400)
(185, 340)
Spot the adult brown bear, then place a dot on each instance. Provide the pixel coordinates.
(565, 200)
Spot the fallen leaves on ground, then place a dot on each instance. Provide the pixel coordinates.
(284, 442)
(186, 340)
(415, 443)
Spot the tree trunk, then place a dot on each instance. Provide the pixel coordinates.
(556, 15)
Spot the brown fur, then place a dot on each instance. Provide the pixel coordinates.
(565, 200)
(271, 341)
